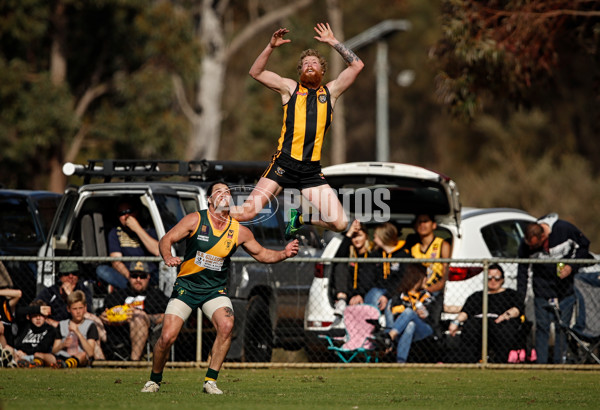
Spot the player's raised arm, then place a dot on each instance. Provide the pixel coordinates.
(264, 255)
(268, 78)
(355, 64)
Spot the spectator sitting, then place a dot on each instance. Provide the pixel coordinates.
(388, 275)
(140, 307)
(33, 344)
(353, 280)
(430, 246)
(8, 301)
(56, 296)
(128, 239)
(410, 311)
(504, 312)
(76, 337)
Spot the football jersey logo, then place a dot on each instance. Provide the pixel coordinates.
(323, 98)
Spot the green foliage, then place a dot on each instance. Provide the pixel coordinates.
(35, 117)
(138, 121)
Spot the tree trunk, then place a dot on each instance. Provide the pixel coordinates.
(58, 75)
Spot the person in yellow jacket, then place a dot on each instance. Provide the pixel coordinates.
(430, 246)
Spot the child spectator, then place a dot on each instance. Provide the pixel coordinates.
(75, 343)
(410, 310)
(33, 344)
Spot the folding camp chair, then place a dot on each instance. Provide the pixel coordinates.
(586, 332)
(360, 322)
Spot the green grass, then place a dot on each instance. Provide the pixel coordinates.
(345, 388)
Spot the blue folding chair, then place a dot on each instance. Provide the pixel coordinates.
(360, 324)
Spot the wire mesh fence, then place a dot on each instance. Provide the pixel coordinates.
(479, 317)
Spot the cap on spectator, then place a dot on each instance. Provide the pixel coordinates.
(66, 267)
(139, 266)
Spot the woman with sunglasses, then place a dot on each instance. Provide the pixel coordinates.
(504, 319)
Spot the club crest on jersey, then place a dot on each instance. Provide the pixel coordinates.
(323, 98)
(204, 230)
(279, 171)
(228, 244)
(230, 234)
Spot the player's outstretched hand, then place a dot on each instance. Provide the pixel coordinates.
(291, 249)
(172, 261)
(325, 33)
(277, 38)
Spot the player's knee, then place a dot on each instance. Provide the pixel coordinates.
(340, 225)
(225, 328)
(167, 338)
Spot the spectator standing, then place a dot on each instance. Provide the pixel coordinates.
(145, 309)
(551, 237)
(77, 337)
(504, 319)
(128, 239)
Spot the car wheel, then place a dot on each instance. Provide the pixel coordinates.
(258, 332)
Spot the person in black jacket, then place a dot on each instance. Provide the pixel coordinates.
(352, 281)
(33, 343)
(388, 275)
(551, 237)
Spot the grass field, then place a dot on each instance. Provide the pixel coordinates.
(343, 388)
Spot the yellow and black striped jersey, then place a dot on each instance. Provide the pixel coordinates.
(435, 271)
(306, 118)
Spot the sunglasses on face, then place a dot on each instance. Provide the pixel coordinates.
(69, 273)
(496, 278)
(125, 212)
(133, 275)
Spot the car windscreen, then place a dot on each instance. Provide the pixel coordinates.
(171, 209)
(17, 225)
(381, 194)
(46, 209)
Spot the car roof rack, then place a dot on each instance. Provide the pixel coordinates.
(152, 170)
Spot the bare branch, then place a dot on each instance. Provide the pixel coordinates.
(90, 95)
(265, 21)
(77, 141)
(186, 108)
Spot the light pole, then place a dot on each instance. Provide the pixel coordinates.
(379, 33)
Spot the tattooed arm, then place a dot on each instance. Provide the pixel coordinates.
(355, 64)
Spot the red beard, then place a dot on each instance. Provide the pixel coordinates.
(311, 80)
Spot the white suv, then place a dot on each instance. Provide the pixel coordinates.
(473, 233)
(373, 192)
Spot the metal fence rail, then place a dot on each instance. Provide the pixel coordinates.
(194, 343)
